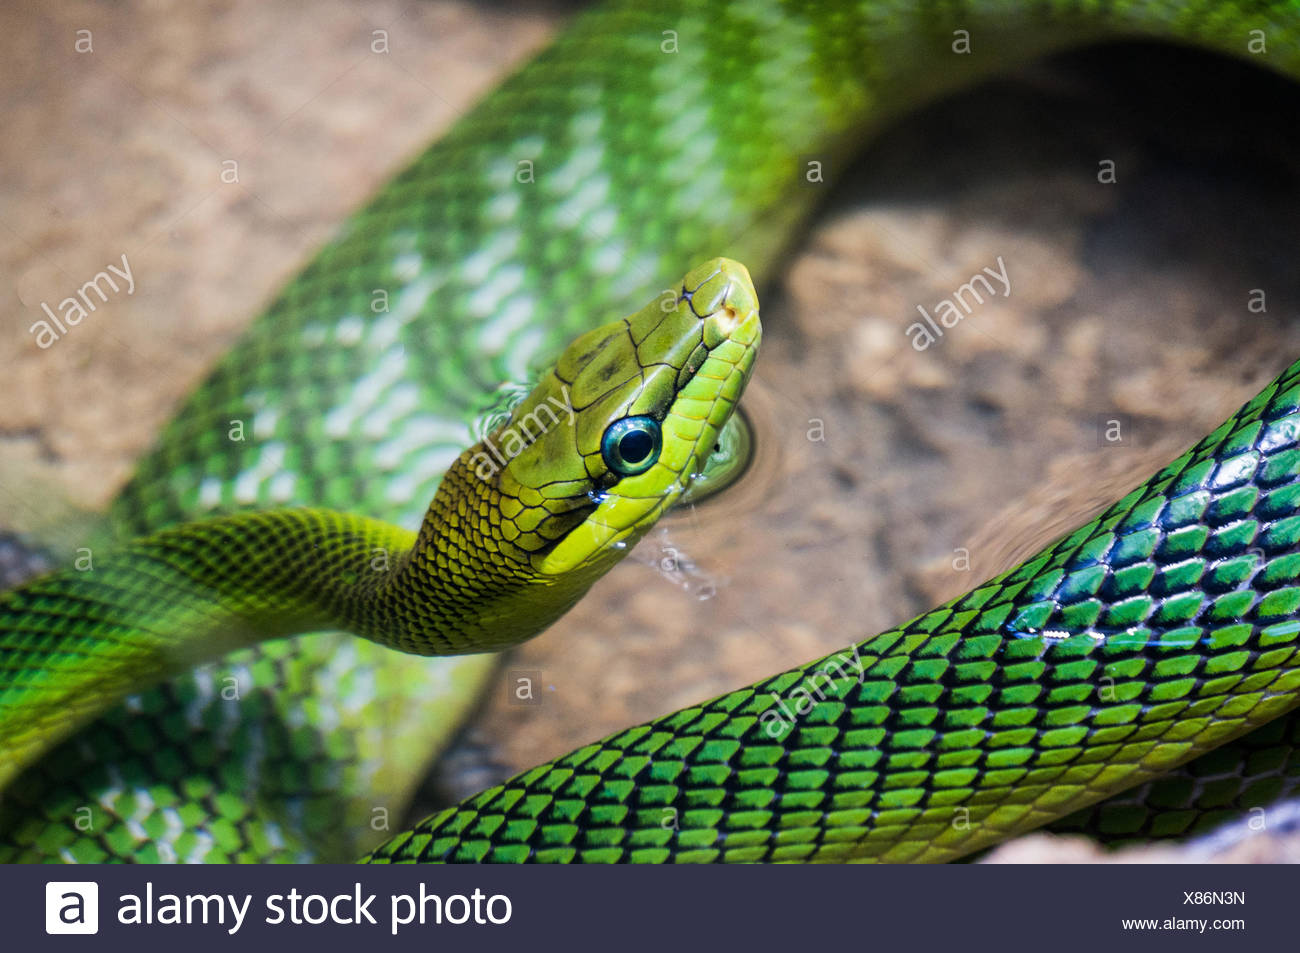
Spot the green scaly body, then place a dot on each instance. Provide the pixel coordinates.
(522, 524)
(1164, 628)
(648, 156)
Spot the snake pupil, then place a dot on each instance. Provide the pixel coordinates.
(635, 446)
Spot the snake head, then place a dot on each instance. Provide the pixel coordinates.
(624, 421)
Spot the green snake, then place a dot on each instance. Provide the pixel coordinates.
(652, 139)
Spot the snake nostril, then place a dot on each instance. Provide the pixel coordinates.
(727, 318)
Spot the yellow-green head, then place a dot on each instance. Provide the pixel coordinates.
(529, 517)
(615, 432)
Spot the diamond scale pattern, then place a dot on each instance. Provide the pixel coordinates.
(1163, 629)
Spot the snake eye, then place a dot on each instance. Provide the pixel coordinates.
(631, 445)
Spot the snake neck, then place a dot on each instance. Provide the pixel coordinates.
(194, 592)
(457, 589)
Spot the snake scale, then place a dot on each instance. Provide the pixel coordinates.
(1163, 629)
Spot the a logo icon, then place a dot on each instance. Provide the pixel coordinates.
(71, 906)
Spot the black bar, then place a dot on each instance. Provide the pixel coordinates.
(799, 909)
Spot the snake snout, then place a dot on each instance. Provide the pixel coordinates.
(721, 293)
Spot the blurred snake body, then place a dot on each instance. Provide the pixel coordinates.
(511, 540)
(1161, 634)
